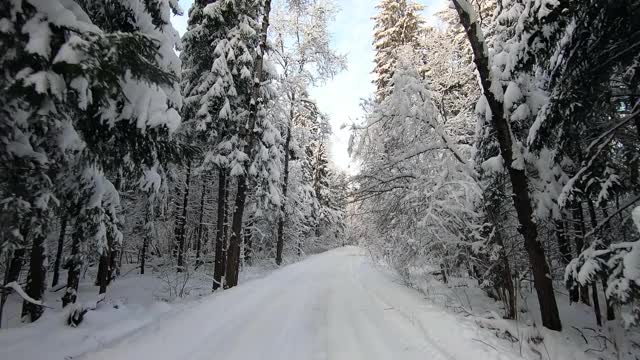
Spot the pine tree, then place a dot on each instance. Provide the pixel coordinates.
(243, 163)
(601, 167)
(142, 128)
(96, 95)
(397, 24)
(31, 91)
(224, 96)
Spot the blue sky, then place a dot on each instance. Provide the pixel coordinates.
(352, 32)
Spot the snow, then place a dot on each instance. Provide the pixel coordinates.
(482, 108)
(237, 170)
(512, 96)
(81, 86)
(148, 104)
(494, 165)
(636, 217)
(537, 124)
(518, 156)
(21, 147)
(464, 296)
(65, 13)
(39, 36)
(110, 321)
(38, 80)
(212, 9)
(18, 289)
(69, 52)
(335, 305)
(632, 258)
(151, 180)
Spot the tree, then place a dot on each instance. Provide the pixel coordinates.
(242, 162)
(415, 187)
(223, 88)
(104, 96)
(511, 152)
(398, 23)
(304, 57)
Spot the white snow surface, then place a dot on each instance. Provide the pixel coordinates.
(636, 217)
(331, 306)
(335, 305)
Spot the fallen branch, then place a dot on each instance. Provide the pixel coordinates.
(58, 287)
(489, 345)
(606, 339)
(130, 270)
(18, 289)
(581, 334)
(595, 350)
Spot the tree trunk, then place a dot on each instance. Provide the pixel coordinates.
(143, 253)
(563, 243)
(233, 250)
(594, 286)
(247, 132)
(443, 272)
(104, 265)
(12, 274)
(611, 313)
(15, 267)
(519, 181)
(317, 175)
(634, 163)
(285, 183)
(36, 277)
(510, 301)
(119, 261)
(103, 271)
(579, 232)
(113, 262)
(596, 303)
(220, 248)
(225, 229)
(248, 250)
(508, 282)
(637, 123)
(201, 219)
(148, 219)
(73, 270)
(59, 250)
(181, 225)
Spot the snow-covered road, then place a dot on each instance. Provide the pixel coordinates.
(334, 305)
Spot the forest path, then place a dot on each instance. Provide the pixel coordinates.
(335, 305)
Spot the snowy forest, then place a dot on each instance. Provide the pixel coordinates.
(176, 196)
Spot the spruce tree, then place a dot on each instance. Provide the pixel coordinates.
(224, 97)
(90, 103)
(398, 23)
(256, 123)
